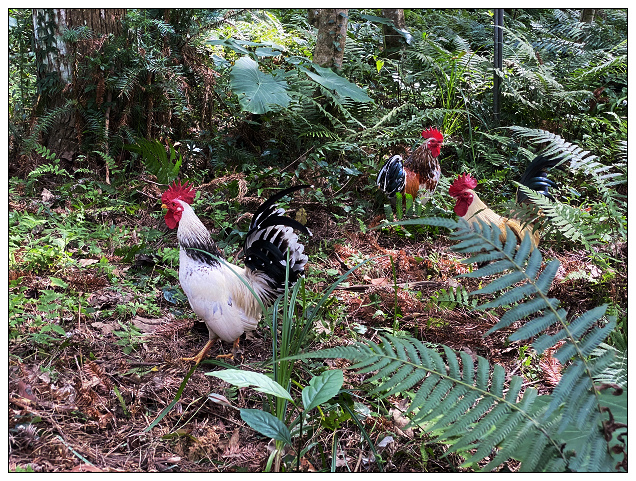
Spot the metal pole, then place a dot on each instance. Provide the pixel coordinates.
(498, 62)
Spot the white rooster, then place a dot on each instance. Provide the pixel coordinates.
(215, 293)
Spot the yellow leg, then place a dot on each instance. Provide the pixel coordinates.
(230, 355)
(199, 357)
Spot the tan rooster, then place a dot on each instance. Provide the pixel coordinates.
(470, 207)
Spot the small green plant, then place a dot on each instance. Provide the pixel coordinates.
(320, 390)
(529, 363)
(41, 318)
(52, 168)
(130, 337)
(27, 469)
(453, 297)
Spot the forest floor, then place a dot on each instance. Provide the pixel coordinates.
(85, 402)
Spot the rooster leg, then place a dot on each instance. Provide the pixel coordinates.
(199, 357)
(234, 348)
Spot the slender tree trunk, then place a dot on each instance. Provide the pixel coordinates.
(58, 63)
(393, 41)
(53, 76)
(332, 32)
(587, 15)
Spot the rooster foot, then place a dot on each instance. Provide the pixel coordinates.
(230, 355)
(199, 357)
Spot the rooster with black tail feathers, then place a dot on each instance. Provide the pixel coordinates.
(215, 293)
(419, 174)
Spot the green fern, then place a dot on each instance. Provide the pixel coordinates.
(45, 123)
(453, 297)
(110, 162)
(616, 372)
(156, 160)
(612, 207)
(578, 158)
(573, 223)
(52, 168)
(46, 153)
(474, 403)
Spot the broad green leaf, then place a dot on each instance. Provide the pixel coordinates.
(267, 52)
(266, 424)
(261, 382)
(230, 43)
(322, 388)
(257, 91)
(331, 80)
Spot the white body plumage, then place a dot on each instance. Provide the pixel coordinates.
(215, 292)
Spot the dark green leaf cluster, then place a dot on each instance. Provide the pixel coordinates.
(155, 159)
(44, 123)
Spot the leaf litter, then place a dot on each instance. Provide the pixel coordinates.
(83, 405)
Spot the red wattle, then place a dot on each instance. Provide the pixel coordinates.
(461, 207)
(171, 222)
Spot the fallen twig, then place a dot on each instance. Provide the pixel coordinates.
(404, 285)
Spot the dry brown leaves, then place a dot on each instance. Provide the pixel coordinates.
(551, 367)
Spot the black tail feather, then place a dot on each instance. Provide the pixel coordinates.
(280, 220)
(391, 178)
(270, 237)
(535, 177)
(270, 204)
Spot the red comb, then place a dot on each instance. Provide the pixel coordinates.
(433, 133)
(463, 182)
(184, 192)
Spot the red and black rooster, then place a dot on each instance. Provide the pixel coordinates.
(419, 174)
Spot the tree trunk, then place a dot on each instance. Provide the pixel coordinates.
(58, 63)
(393, 41)
(587, 15)
(313, 14)
(332, 32)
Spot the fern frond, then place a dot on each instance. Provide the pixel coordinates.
(614, 371)
(558, 147)
(449, 399)
(572, 223)
(44, 169)
(45, 123)
(475, 404)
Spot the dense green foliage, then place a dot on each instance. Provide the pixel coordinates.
(234, 94)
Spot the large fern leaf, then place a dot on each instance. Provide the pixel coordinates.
(579, 159)
(470, 405)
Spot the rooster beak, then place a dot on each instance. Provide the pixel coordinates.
(164, 206)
